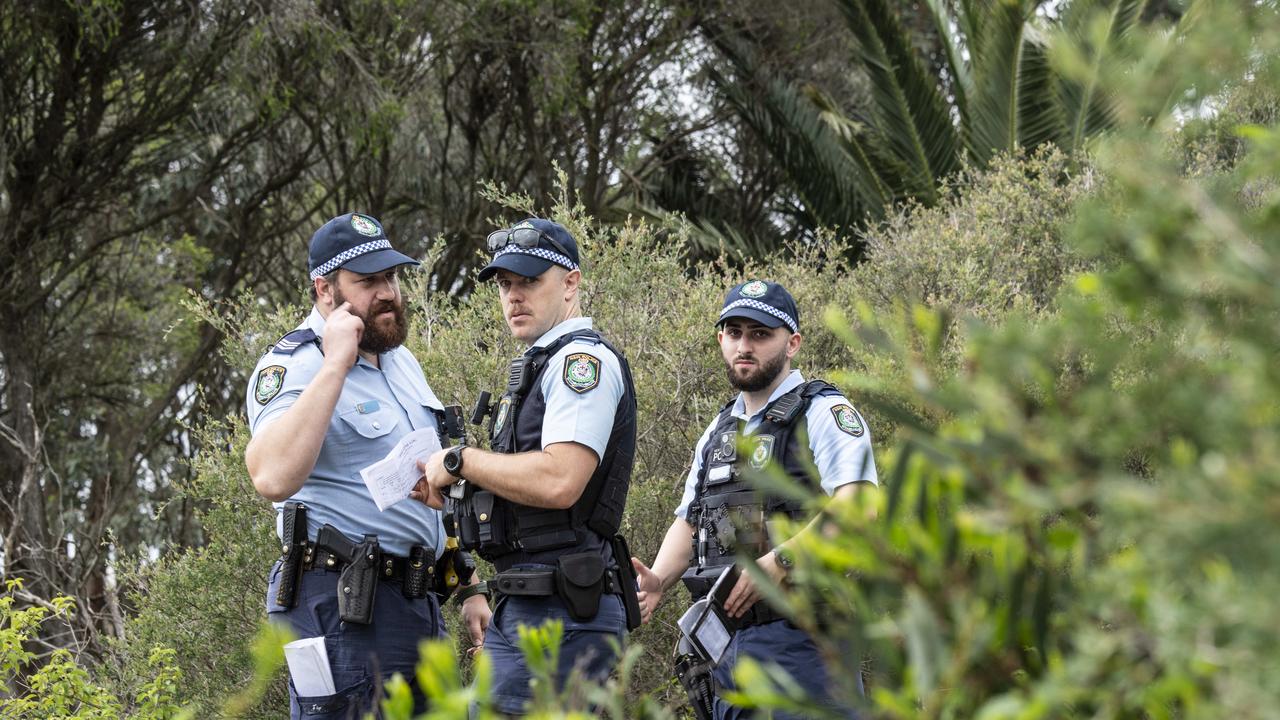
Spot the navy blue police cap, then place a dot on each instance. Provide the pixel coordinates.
(529, 248)
(355, 242)
(768, 303)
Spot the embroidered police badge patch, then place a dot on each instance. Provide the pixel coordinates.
(581, 372)
(270, 380)
(847, 420)
(763, 451)
(754, 289)
(364, 225)
(504, 408)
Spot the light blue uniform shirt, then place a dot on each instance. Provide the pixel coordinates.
(377, 407)
(585, 418)
(841, 458)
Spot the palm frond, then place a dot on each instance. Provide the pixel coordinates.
(1040, 117)
(911, 113)
(998, 62)
(838, 189)
(1094, 26)
(951, 31)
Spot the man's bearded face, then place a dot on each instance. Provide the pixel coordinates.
(758, 376)
(382, 332)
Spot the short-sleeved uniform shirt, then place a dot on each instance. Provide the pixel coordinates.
(377, 407)
(582, 417)
(841, 456)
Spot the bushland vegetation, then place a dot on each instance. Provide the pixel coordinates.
(1067, 363)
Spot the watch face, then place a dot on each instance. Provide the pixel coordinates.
(453, 460)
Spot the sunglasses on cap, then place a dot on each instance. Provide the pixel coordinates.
(525, 237)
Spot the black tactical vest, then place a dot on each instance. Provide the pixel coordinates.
(518, 533)
(728, 514)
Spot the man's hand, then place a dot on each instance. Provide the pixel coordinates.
(431, 486)
(745, 593)
(648, 589)
(476, 616)
(342, 333)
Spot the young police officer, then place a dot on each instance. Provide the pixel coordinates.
(545, 506)
(759, 335)
(328, 399)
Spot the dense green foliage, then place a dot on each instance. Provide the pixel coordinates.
(1069, 372)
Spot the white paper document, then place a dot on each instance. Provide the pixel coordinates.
(390, 479)
(309, 667)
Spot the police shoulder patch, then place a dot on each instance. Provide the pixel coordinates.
(270, 380)
(292, 341)
(581, 372)
(848, 420)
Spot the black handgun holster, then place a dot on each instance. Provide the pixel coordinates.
(358, 583)
(580, 582)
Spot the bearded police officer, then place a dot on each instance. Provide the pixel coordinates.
(721, 514)
(329, 398)
(545, 505)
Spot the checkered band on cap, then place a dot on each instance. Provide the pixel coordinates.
(349, 254)
(757, 305)
(551, 255)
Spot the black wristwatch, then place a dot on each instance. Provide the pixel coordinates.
(453, 461)
(784, 558)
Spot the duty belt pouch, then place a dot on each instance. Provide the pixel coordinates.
(292, 559)
(488, 530)
(418, 572)
(580, 581)
(358, 582)
(698, 580)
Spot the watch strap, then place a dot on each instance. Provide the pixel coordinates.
(480, 588)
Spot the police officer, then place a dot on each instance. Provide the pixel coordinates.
(329, 398)
(721, 514)
(544, 506)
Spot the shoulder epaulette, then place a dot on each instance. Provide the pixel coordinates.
(294, 340)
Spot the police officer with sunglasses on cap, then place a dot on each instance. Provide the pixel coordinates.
(545, 504)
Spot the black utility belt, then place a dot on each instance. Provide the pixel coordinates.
(542, 583)
(579, 579)
(389, 567)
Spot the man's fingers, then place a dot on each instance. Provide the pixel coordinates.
(435, 499)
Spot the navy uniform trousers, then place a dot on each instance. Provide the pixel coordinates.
(361, 657)
(589, 647)
(784, 644)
